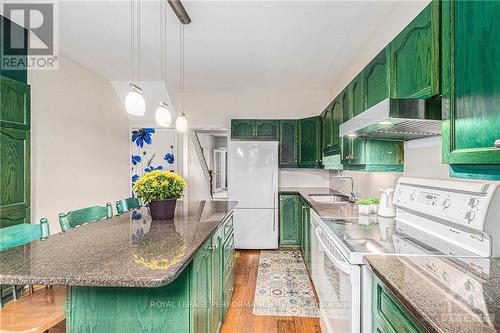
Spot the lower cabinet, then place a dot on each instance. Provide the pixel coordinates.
(306, 232)
(212, 280)
(201, 289)
(290, 220)
(389, 315)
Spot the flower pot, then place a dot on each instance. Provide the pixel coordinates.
(162, 209)
(364, 209)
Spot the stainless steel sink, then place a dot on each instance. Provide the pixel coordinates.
(329, 198)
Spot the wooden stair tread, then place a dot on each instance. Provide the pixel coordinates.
(38, 312)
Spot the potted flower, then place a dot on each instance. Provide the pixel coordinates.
(160, 189)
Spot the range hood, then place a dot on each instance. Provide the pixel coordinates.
(397, 119)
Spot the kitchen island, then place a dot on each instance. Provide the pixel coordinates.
(133, 273)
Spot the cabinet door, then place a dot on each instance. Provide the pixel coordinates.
(267, 129)
(345, 100)
(290, 227)
(357, 99)
(337, 120)
(471, 84)
(288, 143)
(376, 79)
(327, 125)
(201, 289)
(14, 152)
(243, 129)
(384, 152)
(415, 56)
(353, 151)
(310, 142)
(217, 278)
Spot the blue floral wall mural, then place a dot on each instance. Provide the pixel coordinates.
(152, 149)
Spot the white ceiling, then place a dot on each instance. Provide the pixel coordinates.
(244, 46)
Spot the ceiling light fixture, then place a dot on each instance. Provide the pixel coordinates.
(134, 101)
(162, 115)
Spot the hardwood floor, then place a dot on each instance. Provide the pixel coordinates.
(239, 317)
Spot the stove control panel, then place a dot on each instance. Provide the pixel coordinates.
(465, 206)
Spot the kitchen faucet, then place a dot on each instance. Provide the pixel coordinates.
(352, 195)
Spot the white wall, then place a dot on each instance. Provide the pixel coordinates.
(423, 159)
(80, 142)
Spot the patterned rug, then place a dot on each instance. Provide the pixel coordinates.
(283, 286)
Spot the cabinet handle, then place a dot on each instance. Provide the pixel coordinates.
(497, 143)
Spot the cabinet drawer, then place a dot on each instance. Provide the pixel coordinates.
(228, 227)
(391, 314)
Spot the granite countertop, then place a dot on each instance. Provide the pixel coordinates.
(130, 250)
(467, 300)
(324, 210)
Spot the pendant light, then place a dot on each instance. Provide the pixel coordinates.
(162, 115)
(134, 101)
(181, 123)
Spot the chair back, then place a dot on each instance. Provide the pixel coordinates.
(23, 233)
(84, 216)
(125, 205)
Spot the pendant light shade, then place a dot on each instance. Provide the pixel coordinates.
(181, 124)
(163, 116)
(134, 101)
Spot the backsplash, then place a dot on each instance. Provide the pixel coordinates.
(366, 184)
(303, 178)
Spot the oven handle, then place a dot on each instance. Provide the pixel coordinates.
(344, 267)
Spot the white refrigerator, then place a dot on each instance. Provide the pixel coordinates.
(253, 182)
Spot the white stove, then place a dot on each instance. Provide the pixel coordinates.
(437, 218)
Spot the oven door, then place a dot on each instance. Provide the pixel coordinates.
(338, 288)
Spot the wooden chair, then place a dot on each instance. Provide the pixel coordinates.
(84, 216)
(125, 205)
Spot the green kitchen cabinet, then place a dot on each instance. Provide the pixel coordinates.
(305, 243)
(243, 129)
(289, 140)
(375, 78)
(344, 99)
(415, 56)
(201, 289)
(361, 154)
(290, 220)
(471, 88)
(217, 266)
(327, 128)
(267, 129)
(389, 315)
(310, 142)
(14, 152)
(357, 101)
(252, 129)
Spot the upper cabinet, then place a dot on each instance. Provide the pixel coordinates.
(327, 128)
(415, 56)
(289, 136)
(357, 95)
(310, 142)
(13, 30)
(471, 86)
(251, 129)
(376, 78)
